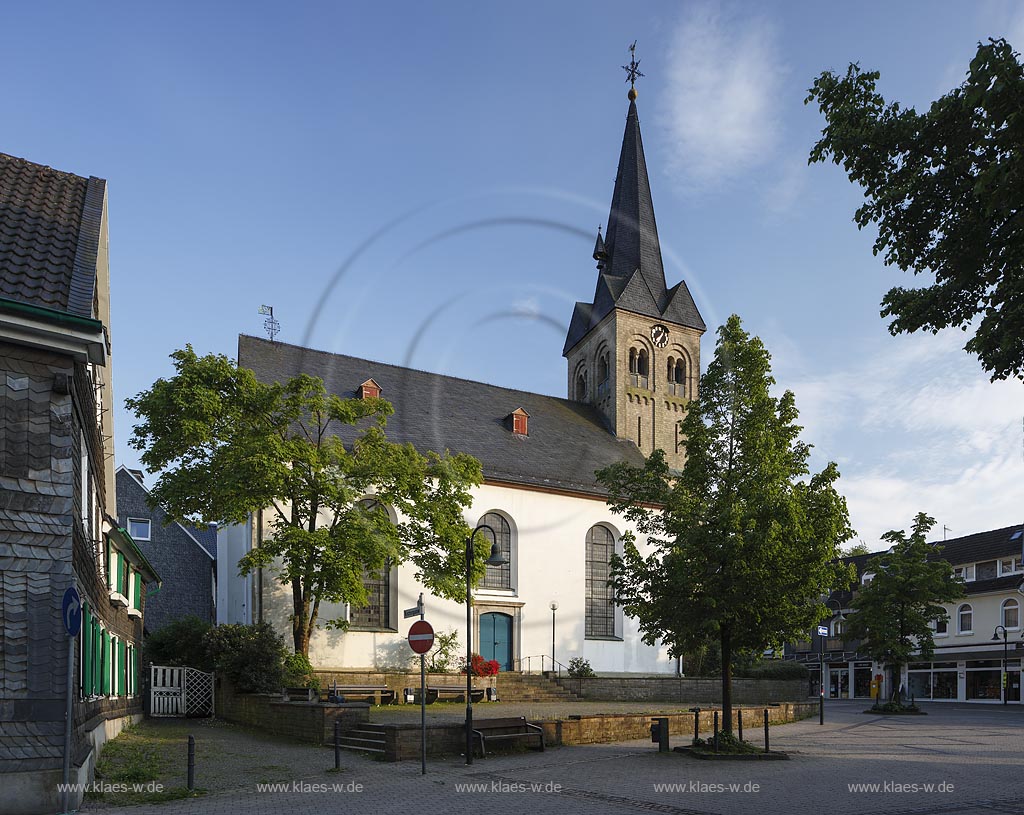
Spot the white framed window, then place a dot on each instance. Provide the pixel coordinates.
(866, 578)
(942, 627)
(139, 528)
(965, 619)
(1010, 565)
(1010, 614)
(965, 573)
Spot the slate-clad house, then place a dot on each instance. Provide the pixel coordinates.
(183, 555)
(58, 523)
(967, 665)
(633, 364)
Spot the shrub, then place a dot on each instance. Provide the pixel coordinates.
(775, 669)
(481, 666)
(250, 656)
(580, 667)
(298, 672)
(442, 655)
(179, 643)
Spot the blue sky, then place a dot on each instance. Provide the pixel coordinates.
(429, 177)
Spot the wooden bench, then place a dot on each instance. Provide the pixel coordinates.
(454, 692)
(300, 695)
(380, 694)
(491, 730)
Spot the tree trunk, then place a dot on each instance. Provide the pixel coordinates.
(726, 640)
(300, 619)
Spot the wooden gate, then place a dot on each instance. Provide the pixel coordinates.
(180, 691)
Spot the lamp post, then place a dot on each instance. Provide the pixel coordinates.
(1004, 678)
(821, 667)
(495, 559)
(553, 605)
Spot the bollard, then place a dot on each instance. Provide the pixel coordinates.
(659, 734)
(696, 723)
(191, 763)
(766, 730)
(337, 744)
(821, 710)
(739, 721)
(716, 731)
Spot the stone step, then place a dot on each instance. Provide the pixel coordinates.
(362, 749)
(354, 743)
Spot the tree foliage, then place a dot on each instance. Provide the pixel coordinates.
(743, 540)
(895, 613)
(946, 191)
(228, 445)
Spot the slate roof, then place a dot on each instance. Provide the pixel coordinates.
(49, 236)
(982, 546)
(631, 271)
(567, 440)
(206, 537)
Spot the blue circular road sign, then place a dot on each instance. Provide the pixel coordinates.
(71, 611)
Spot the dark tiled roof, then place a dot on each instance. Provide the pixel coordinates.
(981, 546)
(49, 236)
(632, 277)
(207, 537)
(567, 441)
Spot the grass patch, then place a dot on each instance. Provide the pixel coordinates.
(138, 766)
(728, 744)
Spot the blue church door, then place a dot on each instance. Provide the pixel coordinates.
(496, 638)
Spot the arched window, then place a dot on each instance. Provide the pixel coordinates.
(376, 614)
(1011, 614)
(965, 619)
(496, 577)
(680, 378)
(600, 610)
(602, 375)
(581, 386)
(638, 367)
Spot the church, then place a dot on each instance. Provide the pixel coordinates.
(633, 364)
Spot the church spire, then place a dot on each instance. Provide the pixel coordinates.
(632, 238)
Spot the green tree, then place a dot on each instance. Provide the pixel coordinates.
(944, 189)
(228, 445)
(858, 548)
(896, 611)
(743, 544)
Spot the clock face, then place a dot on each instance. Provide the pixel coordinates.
(660, 335)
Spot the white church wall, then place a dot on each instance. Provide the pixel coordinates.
(548, 545)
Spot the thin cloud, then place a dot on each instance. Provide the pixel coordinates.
(723, 87)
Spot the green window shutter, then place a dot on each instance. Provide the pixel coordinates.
(138, 591)
(120, 667)
(110, 565)
(120, 573)
(97, 657)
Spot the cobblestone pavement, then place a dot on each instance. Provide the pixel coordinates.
(972, 755)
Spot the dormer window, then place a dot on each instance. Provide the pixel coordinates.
(965, 573)
(369, 390)
(518, 421)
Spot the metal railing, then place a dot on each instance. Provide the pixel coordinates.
(539, 663)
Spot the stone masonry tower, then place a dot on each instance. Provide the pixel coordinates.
(634, 352)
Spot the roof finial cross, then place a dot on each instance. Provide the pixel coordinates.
(633, 69)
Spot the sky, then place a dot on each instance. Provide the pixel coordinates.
(421, 184)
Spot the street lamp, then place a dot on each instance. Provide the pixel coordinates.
(496, 559)
(821, 663)
(995, 638)
(553, 605)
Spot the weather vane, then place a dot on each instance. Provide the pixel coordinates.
(270, 325)
(633, 69)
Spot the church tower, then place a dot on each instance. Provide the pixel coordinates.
(634, 352)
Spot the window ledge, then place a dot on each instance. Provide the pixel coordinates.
(964, 634)
(371, 629)
(494, 592)
(603, 639)
(117, 597)
(134, 612)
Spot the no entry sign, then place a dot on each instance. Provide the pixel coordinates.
(421, 636)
